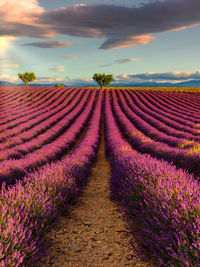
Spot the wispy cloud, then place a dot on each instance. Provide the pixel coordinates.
(8, 78)
(120, 61)
(125, 60)
(58, 68)
(49, 44)
(48, 79)
(10, 59)
(9, 66)
(173, 76)
(105, 65)
(68, 56)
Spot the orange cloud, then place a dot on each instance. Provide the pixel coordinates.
(9, 66)
(50, 44)
(119, 42)
(58, 68)
(21, 19)
(9, 78)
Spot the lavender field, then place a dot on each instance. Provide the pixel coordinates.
(49, 139)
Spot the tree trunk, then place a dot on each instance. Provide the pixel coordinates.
(26, 84)
(101, 86)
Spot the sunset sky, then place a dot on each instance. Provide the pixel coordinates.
(67, 41)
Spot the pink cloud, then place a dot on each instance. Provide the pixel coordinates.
(20, 19)
(119, 42)
(49, 44)
(68, 56)
(9, 66)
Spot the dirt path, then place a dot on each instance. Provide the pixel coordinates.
(93, 233)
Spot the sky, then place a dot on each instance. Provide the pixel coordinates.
(67, 41)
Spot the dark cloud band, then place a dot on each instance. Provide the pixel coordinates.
(123, 26)
(120, 26)
(49, 44)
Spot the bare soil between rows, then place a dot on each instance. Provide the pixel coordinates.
(92, 233)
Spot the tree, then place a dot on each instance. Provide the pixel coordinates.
(27, 77)
(103, 79)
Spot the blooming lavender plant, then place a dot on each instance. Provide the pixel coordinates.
(161, 203)
(150, 126)
(36, 130)
(24, 121)
(186, 159)
(161, 114)
(30, 205)
(171, 125)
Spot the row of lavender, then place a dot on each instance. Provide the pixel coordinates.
(23, 99)
(31, 205)
(52, 144)
(175, 127)
(36, 126)
(26, 112)
(175, 121)
(189, 99)
(152, 127)
(186, 159)
(161, 203)
(151, 107)
(175, 108)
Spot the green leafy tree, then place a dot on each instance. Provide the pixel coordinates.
(27, 77)
(103, 79)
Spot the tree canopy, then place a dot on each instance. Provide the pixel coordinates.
(27, 77)
(103, 79)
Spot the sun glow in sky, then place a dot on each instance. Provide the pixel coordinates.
(136, 41)
(5, 42)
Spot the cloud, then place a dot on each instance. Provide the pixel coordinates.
(125, 60)
(10, 59)
(68, 56)
(120, 26)
(8, 78)
(123, 26)
(126, 41)
(105, 65)
(68, 81)
(5, 70)
(58, 68)
(21, 19)
(120, 61)
(174, 76)
(9, 66)
(48, 79)
(49, 44)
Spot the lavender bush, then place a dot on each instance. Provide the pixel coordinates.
(161, 203)
(30, 205)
